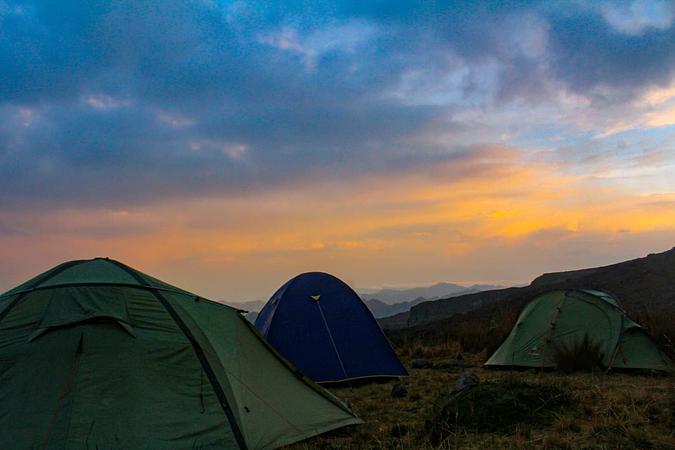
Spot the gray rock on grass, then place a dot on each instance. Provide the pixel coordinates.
(422, 363)
(466, 380)
(399, 390)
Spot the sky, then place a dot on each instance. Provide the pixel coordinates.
(226, 146)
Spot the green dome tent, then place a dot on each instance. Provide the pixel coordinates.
(94, 354)
(566, 317)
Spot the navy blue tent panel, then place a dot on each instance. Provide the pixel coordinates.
(321, 326)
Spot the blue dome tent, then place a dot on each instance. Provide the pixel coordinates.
(323, 328)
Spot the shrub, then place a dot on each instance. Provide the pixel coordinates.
(459, 334)
(497, 407)
(580, 355)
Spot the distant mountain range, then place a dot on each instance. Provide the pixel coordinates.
(252, 308)
(391, 296)
(646, 283)
(388, 302)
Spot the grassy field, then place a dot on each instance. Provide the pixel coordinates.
(588, 410)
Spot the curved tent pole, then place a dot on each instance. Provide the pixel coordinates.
(332, 341)
(551, 324)
(210, 374)
(618, 346)
(27, 291)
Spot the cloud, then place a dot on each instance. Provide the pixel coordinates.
(589, 57)
(347, 37)
(426, 128)
(431, 222)
(635, 17)
(334, 88)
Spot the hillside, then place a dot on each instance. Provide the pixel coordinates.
(381, 309)
(643, 285)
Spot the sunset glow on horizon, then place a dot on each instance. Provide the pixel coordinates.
(225, 147)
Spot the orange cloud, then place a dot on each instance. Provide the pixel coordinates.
(488, 215)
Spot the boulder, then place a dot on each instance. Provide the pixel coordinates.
(422, 363)
(399, 390)
(466, 380)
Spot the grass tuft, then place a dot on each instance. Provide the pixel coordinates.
(498, 406)
(581, 355)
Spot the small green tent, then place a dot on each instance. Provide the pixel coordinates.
(565, 317)
(94, 354)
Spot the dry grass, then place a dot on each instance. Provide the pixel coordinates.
(580, 355)
(476, 335)
(607, 412)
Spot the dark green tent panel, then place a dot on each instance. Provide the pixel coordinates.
(563, 317)
(94, 354)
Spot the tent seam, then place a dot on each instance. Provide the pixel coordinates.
(323, 392)
(218, 389)
(22, 295)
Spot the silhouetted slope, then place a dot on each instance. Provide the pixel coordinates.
(646, 283)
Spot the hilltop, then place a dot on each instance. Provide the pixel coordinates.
(643, 285)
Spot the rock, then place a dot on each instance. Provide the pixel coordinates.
(422, 363)
(457, 361)
(399, 390)
(467, 380)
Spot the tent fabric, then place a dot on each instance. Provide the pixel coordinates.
(565, 317)
(94, 354)
(323, 327)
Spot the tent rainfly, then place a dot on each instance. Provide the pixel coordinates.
(94, 354)
(564, 317)
(323, 327)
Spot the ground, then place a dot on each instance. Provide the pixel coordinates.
(604, 411)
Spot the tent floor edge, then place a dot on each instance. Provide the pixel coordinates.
(318, 431)
(308, 381)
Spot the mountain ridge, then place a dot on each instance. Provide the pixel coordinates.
(382, 308)
(441, 289)
(642, 283)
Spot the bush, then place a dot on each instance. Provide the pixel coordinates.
(459, 334)
(497, 407)
(580, 355)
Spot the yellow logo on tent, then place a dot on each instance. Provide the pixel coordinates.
(315, 297)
